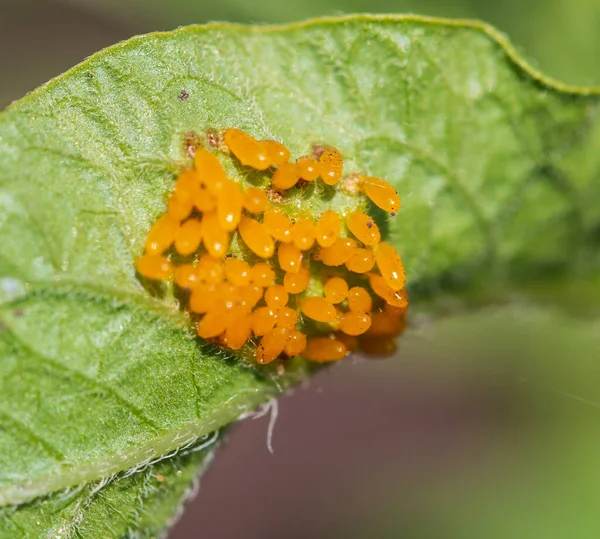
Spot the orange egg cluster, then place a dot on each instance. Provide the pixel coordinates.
(320, 289)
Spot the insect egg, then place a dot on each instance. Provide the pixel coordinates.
(229, 206)
(188, 237)
(330, 166)
(278, 225)
(237, 271)
(255, 200)
(215, 239)
(186, 276)
(354, 323)
(324, 349)
(359, 300)
(294, 283)
(262, 274)
(308, 168)
(272, 345)
(296, 344)
(290, 257)
(277, 153)
(304, 234)
(318, 309)
(363, 227)
(336, 290)
(161, 236)
(276, 296)
(339, 253)
(360, 261)
(390, 265)
(328, 229)
(286, 318)
(382, 194)
(286, 176)
(212, 324)
(256, 237)
(247, 149)
(210, 171)
(262, 320)
(154, 267)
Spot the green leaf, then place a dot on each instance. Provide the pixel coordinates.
(140, 504)
(497, 167)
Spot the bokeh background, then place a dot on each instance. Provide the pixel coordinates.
(484, 425)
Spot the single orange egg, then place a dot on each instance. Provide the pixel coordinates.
(318, 309)
(308, 168)
(355, 323)
(382, 194)
(390, 266)
(186, 186)
(304, 233)
(186, 276)
(361, 261)
(328, 229)
(278, 225)
(290, 257)
(238, 330)
(396, 298)
(154, 267)
(237, 271)
(286, 176)
(161, 236)
(215, 239)
(277, 153)
(363, 228)
(339, 253)
(204, 200)
(209, 171)
(213, 323)
(204, 298)
(276, 296)
(323, 349)
(262, 320)
(261, 274)
(271, 346)
(256, 236)
(210, 270)
(286, 318)
(250, 295)
(178, 209)
(359, 300)
(331, 166)
(229, 206)
(255, 200)
(296, 344)
(336, 290)
(294, 283)
(188, 237)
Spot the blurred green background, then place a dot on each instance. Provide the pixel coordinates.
(42, 38)
(483, 426)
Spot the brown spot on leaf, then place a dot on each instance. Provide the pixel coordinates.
(191, 140)
(214, 138)
(273, 196)
(183, 95)
(351, 184)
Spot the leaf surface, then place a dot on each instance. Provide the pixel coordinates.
(496, 165)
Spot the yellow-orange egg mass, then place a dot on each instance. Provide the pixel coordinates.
(257, 274)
